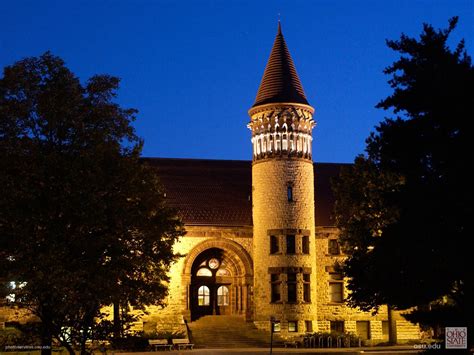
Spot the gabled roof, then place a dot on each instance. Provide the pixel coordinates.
(218, 192)
(280, 82)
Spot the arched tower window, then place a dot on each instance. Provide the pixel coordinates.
(292, 142)
(223, 296)
(203, 296)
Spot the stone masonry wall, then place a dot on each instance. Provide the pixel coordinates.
(328, 311)
(273, 211)
(170, 318)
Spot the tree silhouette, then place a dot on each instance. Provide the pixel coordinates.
(404, 209)
(83, 223)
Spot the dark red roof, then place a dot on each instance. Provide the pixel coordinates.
(218, 192)
(280, 82)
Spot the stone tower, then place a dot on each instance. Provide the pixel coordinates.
(283, 198)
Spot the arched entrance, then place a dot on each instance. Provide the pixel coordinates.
(211, 284)
(220, 275)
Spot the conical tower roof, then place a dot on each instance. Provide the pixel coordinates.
(280, 82)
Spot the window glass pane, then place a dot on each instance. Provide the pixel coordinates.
(337, 326)
(290, 193)
(335, 292)
(276, 326)
(275, 293)
(203, 296)
(292, 326)
(333, 247)
(305, 244)
(306, 292)
(291, 285)
(306, 288)
(290, 244)
(275, 297)
(309, 326)
(274, 244)
(214, 263)
(292, 292)
(204, 272)
(223, 296)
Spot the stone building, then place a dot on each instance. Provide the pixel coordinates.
(260, 241)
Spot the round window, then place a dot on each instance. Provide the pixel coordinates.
(214, 263)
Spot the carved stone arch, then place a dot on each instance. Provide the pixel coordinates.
(236, 260)
(243, 260)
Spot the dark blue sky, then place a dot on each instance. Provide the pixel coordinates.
(192, 68)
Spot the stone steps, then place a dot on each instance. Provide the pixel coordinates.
(227, 332)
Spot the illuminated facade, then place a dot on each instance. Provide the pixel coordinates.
(260, 241)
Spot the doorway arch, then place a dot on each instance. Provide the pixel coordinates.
(219, 275)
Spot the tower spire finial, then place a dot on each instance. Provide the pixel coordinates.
(279, 24)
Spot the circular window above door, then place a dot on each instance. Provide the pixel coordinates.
(213, 263)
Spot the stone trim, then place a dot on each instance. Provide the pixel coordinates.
(218, 232)
(243, 259)
(289, 269)
(289, 231)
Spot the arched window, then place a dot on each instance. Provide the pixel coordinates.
(223, 296)
(285, 142)
(204, 272)
(203, 296)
